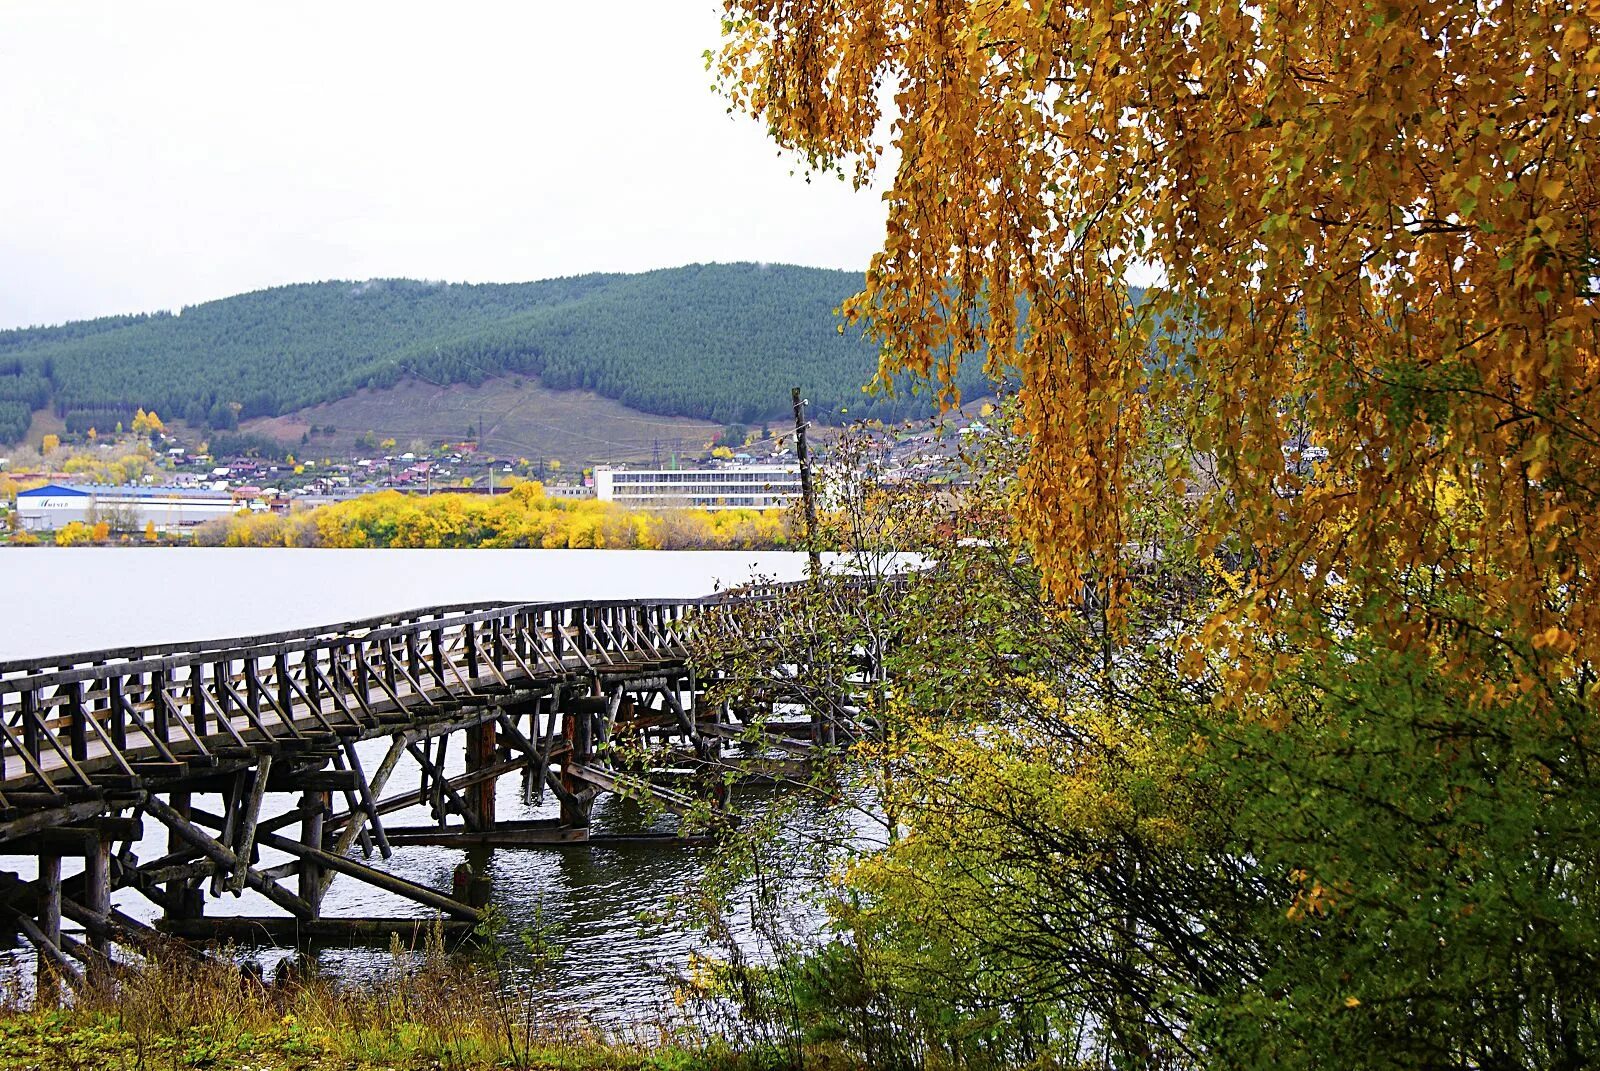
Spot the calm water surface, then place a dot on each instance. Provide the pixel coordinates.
(62, 600)
(59, 600)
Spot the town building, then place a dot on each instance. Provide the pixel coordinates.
(731, 487)
(574, 491)
(126, 508)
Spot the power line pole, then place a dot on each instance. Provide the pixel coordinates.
(806, 491)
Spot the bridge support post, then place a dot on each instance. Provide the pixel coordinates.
(183, 902)
(481, 746)
(97, 889)
(313, 806)
(578, 729)
(49, 984)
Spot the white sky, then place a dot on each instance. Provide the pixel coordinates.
(160, 154)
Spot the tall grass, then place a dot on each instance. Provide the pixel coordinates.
(432, 1009)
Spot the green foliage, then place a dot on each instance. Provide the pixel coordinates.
(1097, 853)
(1441, 854)
(22, 390)
(232, 444)
(719, 342)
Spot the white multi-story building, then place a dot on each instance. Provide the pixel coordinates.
(734, 487)
(54, 506)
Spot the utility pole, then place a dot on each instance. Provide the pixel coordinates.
(806, 491)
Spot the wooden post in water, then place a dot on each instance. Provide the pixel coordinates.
(97, 888)
(577, 726)
(49, 986)
(182, 900)
(481, 756)
(313, 805)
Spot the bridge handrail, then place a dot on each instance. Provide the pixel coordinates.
(86, 665)
(29, 673)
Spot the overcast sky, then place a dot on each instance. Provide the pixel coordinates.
(161, 154)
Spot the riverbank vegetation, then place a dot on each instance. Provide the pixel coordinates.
(523, 517)
(1249, 720)
(432, 1010)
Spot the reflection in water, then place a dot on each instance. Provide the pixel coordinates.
(605, 908)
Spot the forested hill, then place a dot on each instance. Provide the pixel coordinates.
(722, 342)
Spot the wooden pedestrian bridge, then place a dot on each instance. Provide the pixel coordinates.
(579, 698)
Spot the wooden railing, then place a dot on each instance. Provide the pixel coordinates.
(92, 720)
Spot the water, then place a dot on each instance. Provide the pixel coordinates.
(62, 600)
(58, 600)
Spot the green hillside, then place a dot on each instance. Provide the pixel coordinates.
(721, 342)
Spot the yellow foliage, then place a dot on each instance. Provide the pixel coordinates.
(50, 444)
(1371, 228)
(522, 517)
(74, 534)
(145, 423)
(127, 469)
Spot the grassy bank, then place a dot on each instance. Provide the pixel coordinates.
(446, 1014)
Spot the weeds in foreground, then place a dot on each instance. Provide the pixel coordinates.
(434, 1010)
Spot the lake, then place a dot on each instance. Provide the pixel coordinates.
(61, 600)
(58, 600)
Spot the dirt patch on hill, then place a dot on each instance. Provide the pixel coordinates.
(520, 419)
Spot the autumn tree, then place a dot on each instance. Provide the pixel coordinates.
(1365, 369)
(74, 534)
(1369, 230)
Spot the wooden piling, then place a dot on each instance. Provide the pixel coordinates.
(481, 756)
(49, 936)
(97, 888)
(180, 902)
(313, 806)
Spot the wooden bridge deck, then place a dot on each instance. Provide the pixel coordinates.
(115, 719)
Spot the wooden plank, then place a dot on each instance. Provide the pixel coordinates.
(276, 929)
(369, 803)
(506, 835)
(225, 858)
(246, 844)
(290, 780)
(372, 876)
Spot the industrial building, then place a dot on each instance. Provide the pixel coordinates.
(734, 487)
(125, 509)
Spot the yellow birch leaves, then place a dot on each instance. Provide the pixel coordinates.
(1370, 229)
